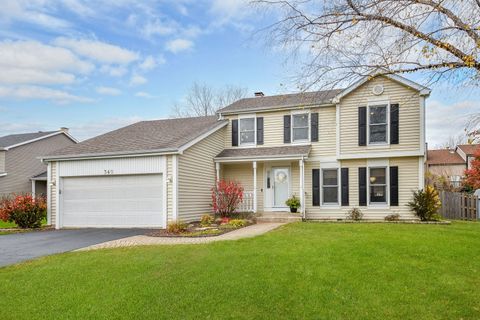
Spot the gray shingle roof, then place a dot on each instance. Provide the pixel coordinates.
(142, 137)
(263, 152)
(42, 176)
(14, 139)
(282, 101)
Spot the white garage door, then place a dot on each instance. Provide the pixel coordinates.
(112, 201)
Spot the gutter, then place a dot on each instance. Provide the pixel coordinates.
(119, 154)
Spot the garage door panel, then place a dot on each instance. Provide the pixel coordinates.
(113, 201)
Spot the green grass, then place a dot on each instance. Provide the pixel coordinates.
(5, 225)
(300, 271)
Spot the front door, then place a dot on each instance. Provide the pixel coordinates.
(281, 186)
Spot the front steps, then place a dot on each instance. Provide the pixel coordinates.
(284, 217)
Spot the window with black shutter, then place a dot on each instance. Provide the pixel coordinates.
(315, 187)
(234, 133)
(260, 130)
(286, 128)
(394, 123)
(362, 126)
(394, 186)
(345, 185)
(362, 186)
(314, 127)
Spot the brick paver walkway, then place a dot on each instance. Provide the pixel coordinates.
(143, 240)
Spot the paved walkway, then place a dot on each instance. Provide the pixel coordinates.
(143, 240)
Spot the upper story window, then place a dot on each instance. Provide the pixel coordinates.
(247, 131)
(378, 185)
(378, 124)
(300, 127)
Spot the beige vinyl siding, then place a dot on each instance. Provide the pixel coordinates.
(21, 163)
(408, 181)
(409, 117)
(273, 130)
(243, 174)
(196, 171)
(52, 204)
(2, 161)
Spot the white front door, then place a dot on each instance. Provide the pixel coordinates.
(280, 186)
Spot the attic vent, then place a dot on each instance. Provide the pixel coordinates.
(259, 94)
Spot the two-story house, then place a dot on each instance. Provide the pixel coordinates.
(362, 146)
(20, 169)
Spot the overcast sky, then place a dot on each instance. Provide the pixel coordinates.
(94, 66)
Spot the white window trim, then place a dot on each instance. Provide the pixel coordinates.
(381, 205)
(374, 104)
(249, 144)
(304, 141)
(322, 202)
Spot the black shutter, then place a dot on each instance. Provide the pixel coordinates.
(315, 187)
(286, 129)
(314, 127)
(234, 133)
(394, 115)
(344, 184)
(362, 126)
(260, 130)
(394, 186)
(362, 186)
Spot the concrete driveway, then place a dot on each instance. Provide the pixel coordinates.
(25, 246)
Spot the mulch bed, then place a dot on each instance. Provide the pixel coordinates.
(195, 230)
(20, 230)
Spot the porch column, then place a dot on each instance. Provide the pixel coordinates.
(217, 168)
(33, 188)
(302, 190)
(254, 186)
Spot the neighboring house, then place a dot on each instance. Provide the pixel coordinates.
(451, 163)
(21, 171)
(363, 146)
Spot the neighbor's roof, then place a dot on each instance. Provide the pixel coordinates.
(142, 137)
(469, 149)
(443, 156)
(14, 139)
(282, 101)
(264, 152)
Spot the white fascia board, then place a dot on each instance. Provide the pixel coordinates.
(251, 159)
(276, 108)
(110, 155)
(3, 174)
(386, 154)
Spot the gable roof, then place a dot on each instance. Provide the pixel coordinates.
(469, 149)
(281, 101)
(14, 139)
(157, 136)
(264, 152)
(443, 157)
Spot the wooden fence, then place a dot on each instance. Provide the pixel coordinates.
(456, 205)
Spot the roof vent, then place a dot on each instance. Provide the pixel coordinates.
(259, 94)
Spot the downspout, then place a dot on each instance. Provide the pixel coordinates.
(303, 189)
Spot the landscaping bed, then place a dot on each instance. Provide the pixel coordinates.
(208, 227)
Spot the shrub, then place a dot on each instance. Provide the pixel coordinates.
(392, 217)
(293, 202)
(237, 223)
(425, 203)
(355, 214)
(226, 196)
(25, 210)
(177, 227)
(206, 220)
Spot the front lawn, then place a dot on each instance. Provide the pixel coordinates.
(302, 270)
(8, 225)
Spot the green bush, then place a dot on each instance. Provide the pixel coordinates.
(206, 220)
(293, 202)
(237, 223)
(177, 227)
(25, 210)
(355, 214)
(425, 203)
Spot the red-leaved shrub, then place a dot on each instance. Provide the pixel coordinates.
(25, 210)
(226, 196)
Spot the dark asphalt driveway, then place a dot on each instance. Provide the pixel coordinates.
(25, 246)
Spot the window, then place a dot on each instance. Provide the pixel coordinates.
(247, 131)
(300, 127)
(377, 116)
(378, 185)
(330, 186)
